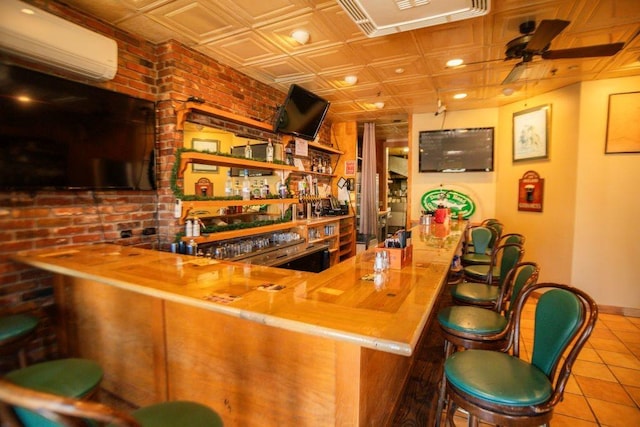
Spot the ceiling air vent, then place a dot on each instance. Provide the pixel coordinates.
(380, 17)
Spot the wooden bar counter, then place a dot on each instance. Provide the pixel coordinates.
(262, 346)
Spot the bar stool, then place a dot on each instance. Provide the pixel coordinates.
(16, 330)
(471, 327)
(59, 411)
(503, 389)
(487, 293)
(74, 378)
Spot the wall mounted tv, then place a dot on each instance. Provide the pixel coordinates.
(456, 150)
(56, 134)
(302, 113)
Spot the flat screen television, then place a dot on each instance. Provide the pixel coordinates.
(56, 134)
(302, 113)
(456, 150)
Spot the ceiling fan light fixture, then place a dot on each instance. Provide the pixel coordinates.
(301, 36)
(351, 79)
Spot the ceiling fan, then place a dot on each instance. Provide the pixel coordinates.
(530, 44)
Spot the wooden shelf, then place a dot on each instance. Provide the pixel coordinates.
(187, 107)
(233, 234)
(188, 157)
(203, 205)
(323, 147)
(326, 175)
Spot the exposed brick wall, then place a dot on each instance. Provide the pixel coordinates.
(168, 74)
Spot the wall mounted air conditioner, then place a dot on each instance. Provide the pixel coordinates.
(39, 36)
(381, 17)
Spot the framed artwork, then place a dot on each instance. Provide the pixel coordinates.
(531, 129)
(623, 127)
(210, 145)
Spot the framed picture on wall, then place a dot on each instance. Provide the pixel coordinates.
(531, 130)
(206, 145)
(623, 127)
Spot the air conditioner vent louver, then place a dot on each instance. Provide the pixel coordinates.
(381, 17)
(45, 38)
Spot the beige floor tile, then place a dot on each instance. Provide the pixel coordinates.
(634, 348)
(560, 420)
(625, 360)
(628, 336)
(590, 355)
(615, 415)
(607, 344)
(593, 370)
(575, 406)
(626, 376)
(634, 392)
(604, 390)
(603, 334)
(572, 386)
(617, 323)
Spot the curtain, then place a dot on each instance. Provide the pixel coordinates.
(368, 199)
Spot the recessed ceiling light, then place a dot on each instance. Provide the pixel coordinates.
(301, 36)
(27, 11)
(351, 80)
(459, 96)
(455, 62)
(507, 91)
(399, 70)
(379, 105)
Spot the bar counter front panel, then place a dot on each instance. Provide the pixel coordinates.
(261, 345)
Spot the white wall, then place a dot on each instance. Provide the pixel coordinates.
(607, 219)
(480, 186)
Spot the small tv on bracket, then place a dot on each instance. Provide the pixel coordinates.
(302, 113)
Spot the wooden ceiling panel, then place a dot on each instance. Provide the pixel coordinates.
(245, 49)
(196, 21)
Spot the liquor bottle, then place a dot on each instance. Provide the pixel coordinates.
(270, 152)
(248, 152)
(238, 190)
(228, 185)
(246, 186)
(265, 189)
(256, 189)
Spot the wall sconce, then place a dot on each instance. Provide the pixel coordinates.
(301, 36)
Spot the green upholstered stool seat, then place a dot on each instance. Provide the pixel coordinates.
(64, 377)
(475, 293)
(473, 258)
(475, 320)
(480, 271)
(498, 377)
(16, 325)
(178, 413)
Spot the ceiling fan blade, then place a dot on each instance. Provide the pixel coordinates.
(546, 31)
(487, 61)
(584, 52)
(515, 73)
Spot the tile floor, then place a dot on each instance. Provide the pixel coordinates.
(604, 389)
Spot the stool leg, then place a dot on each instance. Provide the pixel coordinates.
(22, 358)
(448, 350)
